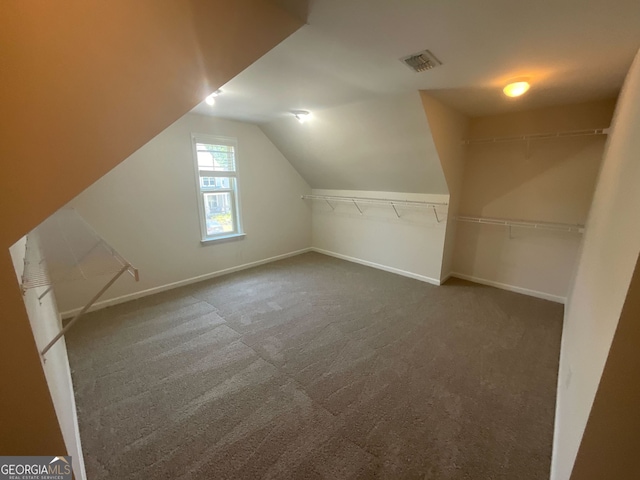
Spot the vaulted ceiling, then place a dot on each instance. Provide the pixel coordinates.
(572, 50)
(344, 66)
(383, 144)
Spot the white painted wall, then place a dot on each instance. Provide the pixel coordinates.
(411, 245)
(381, 144)
(554, 184)
(146, 208)
(448, 128)
(611, 248)
(45, 324)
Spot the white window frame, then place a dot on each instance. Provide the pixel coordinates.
(233, 191)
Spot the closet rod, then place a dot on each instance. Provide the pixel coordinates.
(378, 201)
(538, 136)
(560, 227)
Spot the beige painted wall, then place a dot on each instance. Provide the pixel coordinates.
(448, 128)
(89, 84)
(609, 446)
(45, 324)
(411, 245)
(607, 261)
(554, 184)
(146, 208)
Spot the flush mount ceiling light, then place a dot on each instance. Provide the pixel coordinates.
(211, 99)
(301, 115)
(515, 89)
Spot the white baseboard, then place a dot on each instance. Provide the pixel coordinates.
(162, 288)
(404, 273)
(511, 288)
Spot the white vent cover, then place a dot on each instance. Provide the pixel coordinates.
(421, 61)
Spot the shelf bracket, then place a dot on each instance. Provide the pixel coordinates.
(84, 309)
(356, 204)
(328, 203)
(43, 294)
(395, 210)
(435, 212)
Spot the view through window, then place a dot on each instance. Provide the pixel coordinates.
(217, 176)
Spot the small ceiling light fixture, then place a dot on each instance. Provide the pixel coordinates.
(211, 99)
(301, 115)
(515, 89)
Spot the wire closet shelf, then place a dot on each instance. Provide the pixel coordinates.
(65, 248)
(395, 204)
(537, 136)
(558, 227)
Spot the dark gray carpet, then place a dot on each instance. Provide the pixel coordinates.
(316, 368)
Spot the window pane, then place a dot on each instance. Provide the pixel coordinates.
(212, 183)
(205, 161)
(219, 158)
(217, 211)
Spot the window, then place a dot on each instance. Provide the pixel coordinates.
(216, 167)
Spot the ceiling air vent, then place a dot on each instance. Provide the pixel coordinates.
(421, 61)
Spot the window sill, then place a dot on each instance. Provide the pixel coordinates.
(225, 238)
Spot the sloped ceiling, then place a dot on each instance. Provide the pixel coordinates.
(572, 50)
(344, 67)
(381, 144)
(298, 8)
(105, 79)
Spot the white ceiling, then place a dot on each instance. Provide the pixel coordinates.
(572, 50)
(383, 144)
